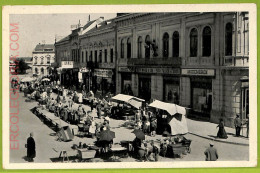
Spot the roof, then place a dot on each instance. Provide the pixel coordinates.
(88, 24)
(24, 58)
(100, 26)
(44, 47)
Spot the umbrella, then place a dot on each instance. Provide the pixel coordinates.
(46, 79)
(166, 133)
(107, 135)
(139, 134)
(27, 79)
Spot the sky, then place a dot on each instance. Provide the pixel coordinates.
(42, 28)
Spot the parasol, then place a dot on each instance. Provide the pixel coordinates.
(46, 79)
(139, 134)
(28, 79)
(172, 109)
(107, 135)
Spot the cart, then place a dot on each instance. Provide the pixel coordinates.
(85, 155)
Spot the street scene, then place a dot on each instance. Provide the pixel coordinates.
(131, 87)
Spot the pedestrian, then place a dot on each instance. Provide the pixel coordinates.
(238, 124)
(221, 132)
(31, 152)
(211, 153)
(153, 127)
(247, 126)
(80, 98)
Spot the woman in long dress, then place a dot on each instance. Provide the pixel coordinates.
(221, 132)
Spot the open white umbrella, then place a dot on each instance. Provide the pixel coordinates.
(28, 79)
(46, 79)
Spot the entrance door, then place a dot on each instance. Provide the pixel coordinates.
(245, 103)
(145, 88)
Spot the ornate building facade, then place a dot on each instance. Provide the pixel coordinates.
(43, 56)
(197, 60)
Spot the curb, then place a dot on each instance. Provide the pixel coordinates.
(217, 140)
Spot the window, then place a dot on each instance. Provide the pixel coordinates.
(140, 40)
(147, 47)
(206, 41)
(35, 60)
(193, 42)
(111, 55)
(91, 56)
(96, 56)
(42, 70)
(48, 60)
(228, 39)
(128, 48)
(42, 60)
(122, 49)
(82, 56)
(105, 56)
(86, 56)
(175, 44)
(166, 45)
(100, 56)
(36, 70)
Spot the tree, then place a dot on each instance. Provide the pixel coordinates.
(22, 66)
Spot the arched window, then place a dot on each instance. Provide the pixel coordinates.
(206, 41)
(36, 70)
(48, 59)
(86, 56)
(42, 70)
(147, 46)
(175, 44)
(122, 49)
(42, 60)
(140, 40)
(165, 45)
(193, 42)
(128, 48)
(35, 60)
(228, 39)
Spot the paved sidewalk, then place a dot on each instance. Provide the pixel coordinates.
(209, 131)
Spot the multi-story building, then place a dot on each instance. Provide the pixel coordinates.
(97, 50)
(68, 54)
(43, 55)
(197, 60)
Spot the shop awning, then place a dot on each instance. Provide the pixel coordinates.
(133, 101)
(169, 107)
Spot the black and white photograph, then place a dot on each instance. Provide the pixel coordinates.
(138, 86)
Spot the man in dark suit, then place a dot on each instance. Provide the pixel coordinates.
(211, 153)
(31, 152)
(238, 124)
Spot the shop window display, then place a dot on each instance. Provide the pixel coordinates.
(202, 100)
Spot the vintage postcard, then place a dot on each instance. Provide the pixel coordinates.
(129, 86)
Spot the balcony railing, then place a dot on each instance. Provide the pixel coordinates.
(155, 61)
(236, 61)
(200, 61)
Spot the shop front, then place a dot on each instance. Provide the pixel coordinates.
(171, 87)
(126, 80)
(104, 81)
(201, 91)
(145, 87)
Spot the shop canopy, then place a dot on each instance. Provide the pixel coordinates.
(177, 119)
(134, 101)
(172, 109)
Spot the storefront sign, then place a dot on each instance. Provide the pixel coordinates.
(84, 70)
(106, 65)
(158, 70)
(67, 64)
(124, 69)
(198, 72)
(103, 73)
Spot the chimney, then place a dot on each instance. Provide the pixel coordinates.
(102, 17)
